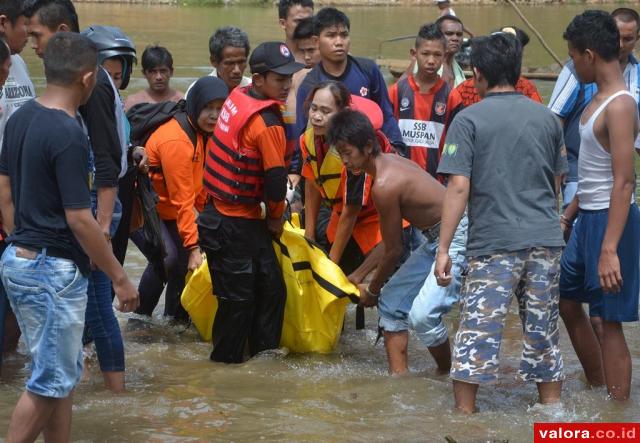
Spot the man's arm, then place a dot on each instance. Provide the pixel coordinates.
(455, 202)
(387, 202)
(370, 263)
(272, 142)
(6, 204)
(354, 198)
(346, 223)
(620, 121)
(104, 212)
(99, 116)
(88, 233)
(560, 164)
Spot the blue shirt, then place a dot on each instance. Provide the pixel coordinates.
(361, 77)
(570, 97)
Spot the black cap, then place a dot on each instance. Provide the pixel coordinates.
(275, 57)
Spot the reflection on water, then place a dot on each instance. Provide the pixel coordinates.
(177, 394)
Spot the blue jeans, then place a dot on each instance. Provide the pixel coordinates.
(412, 297)
(49, 297)
(101, 323)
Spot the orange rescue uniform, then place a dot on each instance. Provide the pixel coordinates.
(176, 169)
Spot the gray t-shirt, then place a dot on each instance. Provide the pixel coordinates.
(511, 148)
(17, 90)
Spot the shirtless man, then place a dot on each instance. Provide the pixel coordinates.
(157, 68)
(402, 190)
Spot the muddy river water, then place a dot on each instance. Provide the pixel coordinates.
(176, 394)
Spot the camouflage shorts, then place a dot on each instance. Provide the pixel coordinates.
(532, 276)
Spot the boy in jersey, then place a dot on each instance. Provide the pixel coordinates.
(423, 103)
(600, 264)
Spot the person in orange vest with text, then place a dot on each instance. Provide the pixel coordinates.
(176, 161)
(246, 180)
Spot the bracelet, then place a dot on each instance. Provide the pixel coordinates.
(565, 220)
(371, 294)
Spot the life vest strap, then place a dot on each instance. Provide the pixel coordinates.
(234, 169)
(229, 182)
(234, 154)
(322, 178)
(234, 198)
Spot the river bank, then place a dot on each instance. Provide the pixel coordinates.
(352, 2)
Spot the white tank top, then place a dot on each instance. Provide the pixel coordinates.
(595, 175)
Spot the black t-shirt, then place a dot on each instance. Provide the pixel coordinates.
(45, 153)
(100, 117)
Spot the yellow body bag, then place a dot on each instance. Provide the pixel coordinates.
(317, 296)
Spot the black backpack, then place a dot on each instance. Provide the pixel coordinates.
(145, 118)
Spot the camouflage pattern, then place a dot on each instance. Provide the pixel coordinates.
(532, 275)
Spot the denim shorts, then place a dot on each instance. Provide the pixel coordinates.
(49, 298)
(412, 297)
(579, 280)
(532, 276)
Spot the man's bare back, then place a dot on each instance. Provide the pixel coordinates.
(420, 196)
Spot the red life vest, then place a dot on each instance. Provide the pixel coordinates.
(233, 173)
